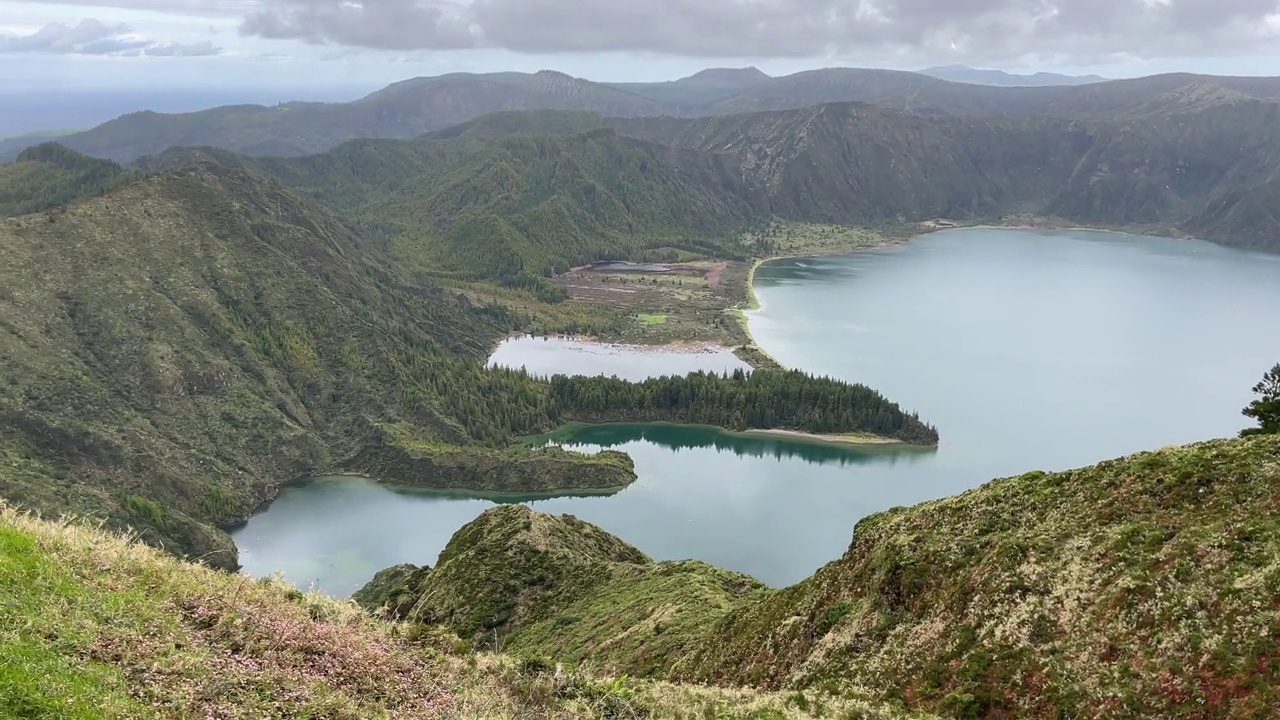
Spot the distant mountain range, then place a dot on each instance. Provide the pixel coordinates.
(1000, 78)
(538, 190)
(413, 107)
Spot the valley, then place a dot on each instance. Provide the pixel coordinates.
(578, 391)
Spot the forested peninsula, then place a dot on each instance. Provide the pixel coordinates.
(759, 400)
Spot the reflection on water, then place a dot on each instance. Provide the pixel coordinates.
(682, 437)
(566, 356)
(772, 507)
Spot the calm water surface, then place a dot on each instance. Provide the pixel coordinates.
(1028, 350)
(551, 355)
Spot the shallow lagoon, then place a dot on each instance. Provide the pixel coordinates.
(1028, 350)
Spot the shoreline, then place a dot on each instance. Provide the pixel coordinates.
(751, 302)
(860, 441)
(684, 347)
(495, 496)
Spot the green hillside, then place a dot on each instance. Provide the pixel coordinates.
(49, 175)
(177, 349)
(562, 588)
(1139, 587)
(520, 204)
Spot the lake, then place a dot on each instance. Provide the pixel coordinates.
(1028, 350)
(550, 355)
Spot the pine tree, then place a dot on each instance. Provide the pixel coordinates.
(1266, 408)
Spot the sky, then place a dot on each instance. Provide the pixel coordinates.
(332, 49)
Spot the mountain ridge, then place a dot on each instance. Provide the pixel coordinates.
(977, 76)
(416, 106)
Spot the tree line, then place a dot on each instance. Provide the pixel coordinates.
(763, 399)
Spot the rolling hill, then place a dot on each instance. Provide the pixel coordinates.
(692, 94)
(49, 175)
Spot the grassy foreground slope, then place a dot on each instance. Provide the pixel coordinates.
(93, 626)
(1146, 586)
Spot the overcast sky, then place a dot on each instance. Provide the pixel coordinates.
(301, 47)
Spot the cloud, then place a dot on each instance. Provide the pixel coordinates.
(198, 8)
(973, 29)
(171, 49)
(383, 24)
(94, 37)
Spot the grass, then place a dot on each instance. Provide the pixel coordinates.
(94, 626)
(648, 319)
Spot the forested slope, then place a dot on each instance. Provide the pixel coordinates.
(177, 349)
(1199, 162)
(519, 204)
(49, 175)
(527, 194)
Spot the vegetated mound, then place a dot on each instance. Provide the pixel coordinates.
(48, 175)
(560, 587)
(93, 626)
(1145, 586)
